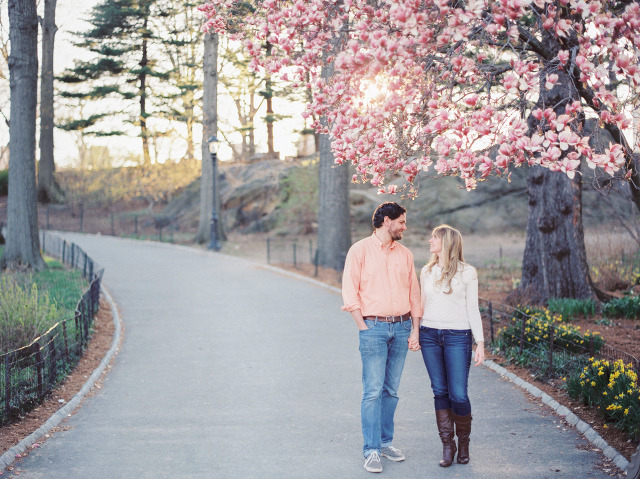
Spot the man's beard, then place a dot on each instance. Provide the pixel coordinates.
(396, 235)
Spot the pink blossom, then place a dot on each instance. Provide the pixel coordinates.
(563, 57)
(551, 81)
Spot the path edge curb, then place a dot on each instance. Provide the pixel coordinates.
(587, 431)
(301, 277)
(56, 418)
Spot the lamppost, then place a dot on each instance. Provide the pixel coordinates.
(213, 150)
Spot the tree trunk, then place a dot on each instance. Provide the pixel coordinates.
(269, 98)
(189, 123)
(555, 260)
(334, 219)
(47, 188)
(22, 242)
(144, 133)
(554, 263)
(209, 128)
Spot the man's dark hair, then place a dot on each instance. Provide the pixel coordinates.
(392, 210)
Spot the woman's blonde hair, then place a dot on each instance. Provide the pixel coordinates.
(451, 253)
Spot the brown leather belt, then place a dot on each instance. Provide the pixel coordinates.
(390, 319)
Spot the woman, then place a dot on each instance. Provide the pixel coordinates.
(451, 316)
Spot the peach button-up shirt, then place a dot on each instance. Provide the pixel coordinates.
(380, 281)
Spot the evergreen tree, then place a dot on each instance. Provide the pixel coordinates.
(121, 67)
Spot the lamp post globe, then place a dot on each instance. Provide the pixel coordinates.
(213, 151)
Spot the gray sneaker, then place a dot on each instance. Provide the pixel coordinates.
(372, 462)
(392, 454)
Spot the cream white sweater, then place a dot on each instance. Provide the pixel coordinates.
(458, 310)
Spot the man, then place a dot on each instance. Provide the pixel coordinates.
(380, 289)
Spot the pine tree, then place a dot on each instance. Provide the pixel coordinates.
(121, 68)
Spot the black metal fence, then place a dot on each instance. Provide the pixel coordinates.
(548, 349)
(294, 252)
(134, 224)
(28, 374)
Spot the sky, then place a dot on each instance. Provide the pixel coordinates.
(71, 16)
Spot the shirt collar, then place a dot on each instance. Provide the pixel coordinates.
(381, 244)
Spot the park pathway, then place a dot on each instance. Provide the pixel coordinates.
(230, 370)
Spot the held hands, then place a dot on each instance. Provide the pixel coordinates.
(414, 341)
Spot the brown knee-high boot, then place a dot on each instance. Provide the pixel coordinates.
(444, 420)
(463, 430)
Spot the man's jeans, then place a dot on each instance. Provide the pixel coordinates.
(383, 349)
(447, 356)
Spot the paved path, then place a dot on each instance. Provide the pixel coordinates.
(232, 370)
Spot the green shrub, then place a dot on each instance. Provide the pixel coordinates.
(4, 182)
(25, 313)
(627, 306)
(570, 308)
(538, 322)
(612, 387)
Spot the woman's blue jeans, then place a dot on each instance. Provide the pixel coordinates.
(383, 349)
(447, 356)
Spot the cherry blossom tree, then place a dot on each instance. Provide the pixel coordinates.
(471, 89)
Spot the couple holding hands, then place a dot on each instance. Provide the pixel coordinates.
(439, 317)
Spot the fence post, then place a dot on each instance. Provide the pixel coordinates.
(39, 365)
(551, 334)
(44, 236)
(491, 320)
(53, 362)
(64, 250)
(268, 250)
(315, 263)
(78, 332)
(295, 255)
(64, 336)
(7, 383)
(522, 328)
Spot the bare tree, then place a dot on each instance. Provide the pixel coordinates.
(47, 190)
(22, 242)
(209, 127)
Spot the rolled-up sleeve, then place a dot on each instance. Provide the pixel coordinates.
(414, 291)
(351, 281)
